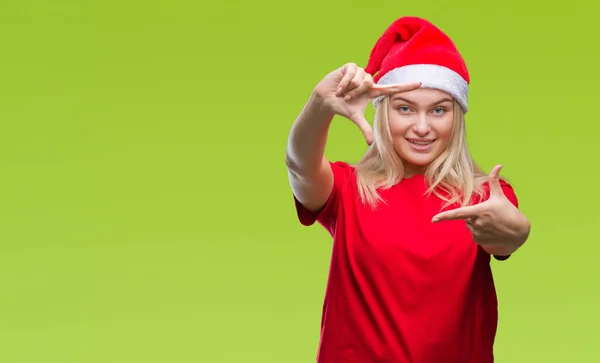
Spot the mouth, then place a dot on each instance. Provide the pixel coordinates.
(420, 142)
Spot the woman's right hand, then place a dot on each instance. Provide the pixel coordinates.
(348, 90)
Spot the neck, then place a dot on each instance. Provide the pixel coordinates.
(411, 170)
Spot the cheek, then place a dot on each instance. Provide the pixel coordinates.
(444, 130)
(398, 127)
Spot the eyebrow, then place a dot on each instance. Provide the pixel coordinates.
(397, 98)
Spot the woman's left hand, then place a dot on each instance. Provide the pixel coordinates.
(495, 222)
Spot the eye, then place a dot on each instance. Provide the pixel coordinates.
(403, 109)
(439, 110)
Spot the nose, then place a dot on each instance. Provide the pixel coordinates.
(421, 127)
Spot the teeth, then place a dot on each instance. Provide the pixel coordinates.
(420, 142)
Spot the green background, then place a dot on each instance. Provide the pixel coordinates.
(145, 212)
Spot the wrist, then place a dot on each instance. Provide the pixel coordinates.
(500, 250)
(317, 104)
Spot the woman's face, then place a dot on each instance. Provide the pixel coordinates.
(421, 124)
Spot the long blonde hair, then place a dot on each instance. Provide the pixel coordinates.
(453, 176)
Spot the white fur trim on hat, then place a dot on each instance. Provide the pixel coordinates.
(430, 76)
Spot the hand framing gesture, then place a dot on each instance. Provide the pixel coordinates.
(495, 221)
(348, 90)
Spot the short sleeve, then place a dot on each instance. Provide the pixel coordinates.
(509, 192)
(327, 216)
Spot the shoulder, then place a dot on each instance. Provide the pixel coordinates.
(343, 172)
(342, 166)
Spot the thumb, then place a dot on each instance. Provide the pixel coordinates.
(494, 181)
(364, 126)
(386, 90)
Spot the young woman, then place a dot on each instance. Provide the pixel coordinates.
(415, 222)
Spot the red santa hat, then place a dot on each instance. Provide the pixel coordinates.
(414, 50)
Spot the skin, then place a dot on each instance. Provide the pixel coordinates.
(345, 91)
(428, 115)
(421, 115)
(496, 224)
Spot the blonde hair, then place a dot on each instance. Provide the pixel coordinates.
(453, 176)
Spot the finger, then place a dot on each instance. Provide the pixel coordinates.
(384, 90)
(471, 228)
(349, 73)
(459, 213)
(366, 84)
(363, 125)
(494, 181)
(472, 224)
(354, 83)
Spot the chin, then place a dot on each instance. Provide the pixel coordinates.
(418, 163)
(417, 159)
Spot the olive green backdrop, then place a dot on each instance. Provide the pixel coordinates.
(145, 212)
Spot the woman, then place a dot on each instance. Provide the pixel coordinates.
(415, 222)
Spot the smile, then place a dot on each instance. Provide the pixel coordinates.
(420, 142)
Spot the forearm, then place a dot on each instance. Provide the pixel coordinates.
(308, 137)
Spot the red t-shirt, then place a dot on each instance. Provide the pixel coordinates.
(402, 289)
